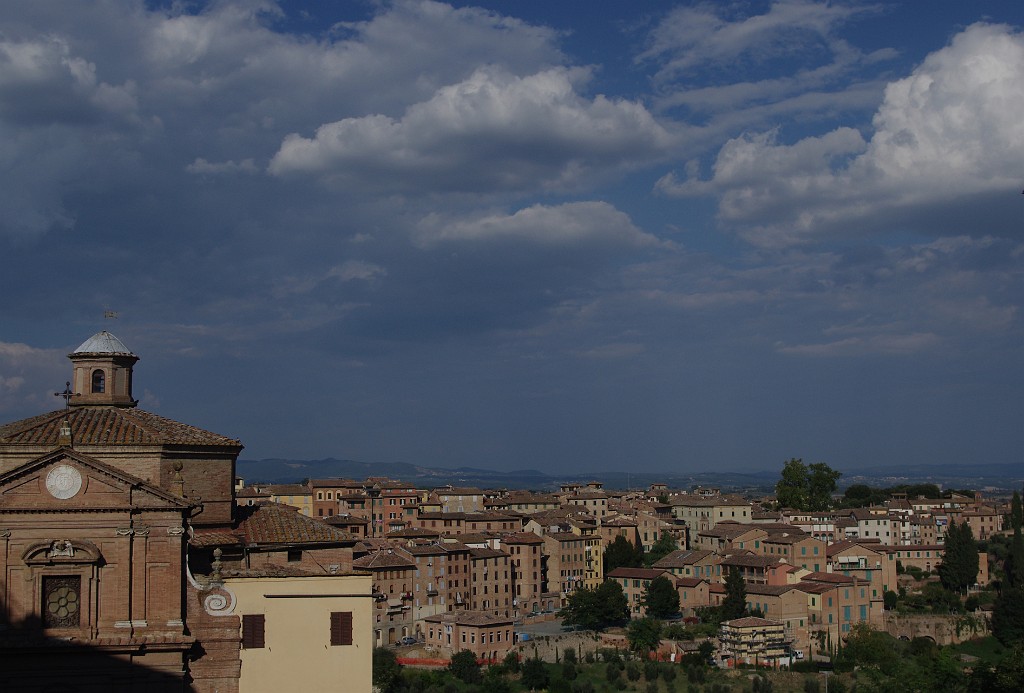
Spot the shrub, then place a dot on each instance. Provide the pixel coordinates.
(633, 671)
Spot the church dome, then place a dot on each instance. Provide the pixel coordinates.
(102, 343)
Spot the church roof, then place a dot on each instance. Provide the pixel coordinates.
(108, 426)
(103, 343)
(269, 524)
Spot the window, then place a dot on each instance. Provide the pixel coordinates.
(62, 606)
(253, 631)
(294, 555)
(341, 628)
(99, 381)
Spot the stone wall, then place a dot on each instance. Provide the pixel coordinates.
(944, 630)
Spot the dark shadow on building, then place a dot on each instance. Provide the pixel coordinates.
(32, 661)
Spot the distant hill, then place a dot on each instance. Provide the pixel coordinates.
(276, 470)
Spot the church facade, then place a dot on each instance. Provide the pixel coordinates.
(120, 542)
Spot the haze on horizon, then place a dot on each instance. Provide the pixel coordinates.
(690, 236)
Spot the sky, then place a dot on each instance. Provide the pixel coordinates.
(569, 236)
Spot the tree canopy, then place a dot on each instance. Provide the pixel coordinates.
(596, 609)
(622, 553)
(806, 487)
(661, 599)
(735, 603)
(644, 634)
(959, 567)
(664, 545)
(463, 665)
(387, 672)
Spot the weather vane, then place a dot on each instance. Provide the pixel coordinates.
(67, 395)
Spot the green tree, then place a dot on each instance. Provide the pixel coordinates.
(959, 567)
(661, 598)
(535, 675)
(596, 609)
(664, 545)
(1015, 561)
(866, 646)
(806, 487)
(889, 599)
(1008, 616)
(791, 489)
(464, 667)
(622, 553)
(735, 603)
(822, 482)
(387, 672)
(644, 634)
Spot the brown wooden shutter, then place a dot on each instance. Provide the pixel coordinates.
(341, 628)
(253, 631)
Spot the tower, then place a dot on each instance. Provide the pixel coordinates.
(103, 372)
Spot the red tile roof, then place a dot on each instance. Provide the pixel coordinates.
(270, 524)
(109, 426)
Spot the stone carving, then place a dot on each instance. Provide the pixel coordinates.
(63, 482)
(220, 601)
(61, 547)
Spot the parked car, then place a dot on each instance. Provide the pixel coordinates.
(408, 640)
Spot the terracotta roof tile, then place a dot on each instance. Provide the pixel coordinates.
(272, 523)
(109, 426)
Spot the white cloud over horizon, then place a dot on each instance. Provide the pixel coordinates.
(948, 131)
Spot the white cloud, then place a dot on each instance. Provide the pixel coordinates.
(573, 223)
(352, 270)
(203, 167)
(97, 97)
(892, 344)
(948, 134)
(493, 131)
(20, 364)
(690, 38)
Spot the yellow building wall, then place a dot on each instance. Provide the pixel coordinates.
(298, 655)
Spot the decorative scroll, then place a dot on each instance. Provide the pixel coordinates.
(219, 601)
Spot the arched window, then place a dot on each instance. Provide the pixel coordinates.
(99, 381)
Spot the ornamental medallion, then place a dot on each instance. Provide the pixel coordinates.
(63, 482)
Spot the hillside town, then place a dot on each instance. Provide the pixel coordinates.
(470, 563)
(133, 550)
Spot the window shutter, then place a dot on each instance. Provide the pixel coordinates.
(341, 628)
(253, 631)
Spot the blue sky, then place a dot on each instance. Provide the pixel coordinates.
(573, 236)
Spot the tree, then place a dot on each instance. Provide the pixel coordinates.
(661, 598)
(959, 567)
(1008, 616)
(464, 667)
(644, 634)
(387, 672)
(735, 603)
(664, 545)
(791, 489)
(807, 488)
(822, 483)
(1015, 561)
(622, 553)
(595, 609)
(889, 599)
(535, 675)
